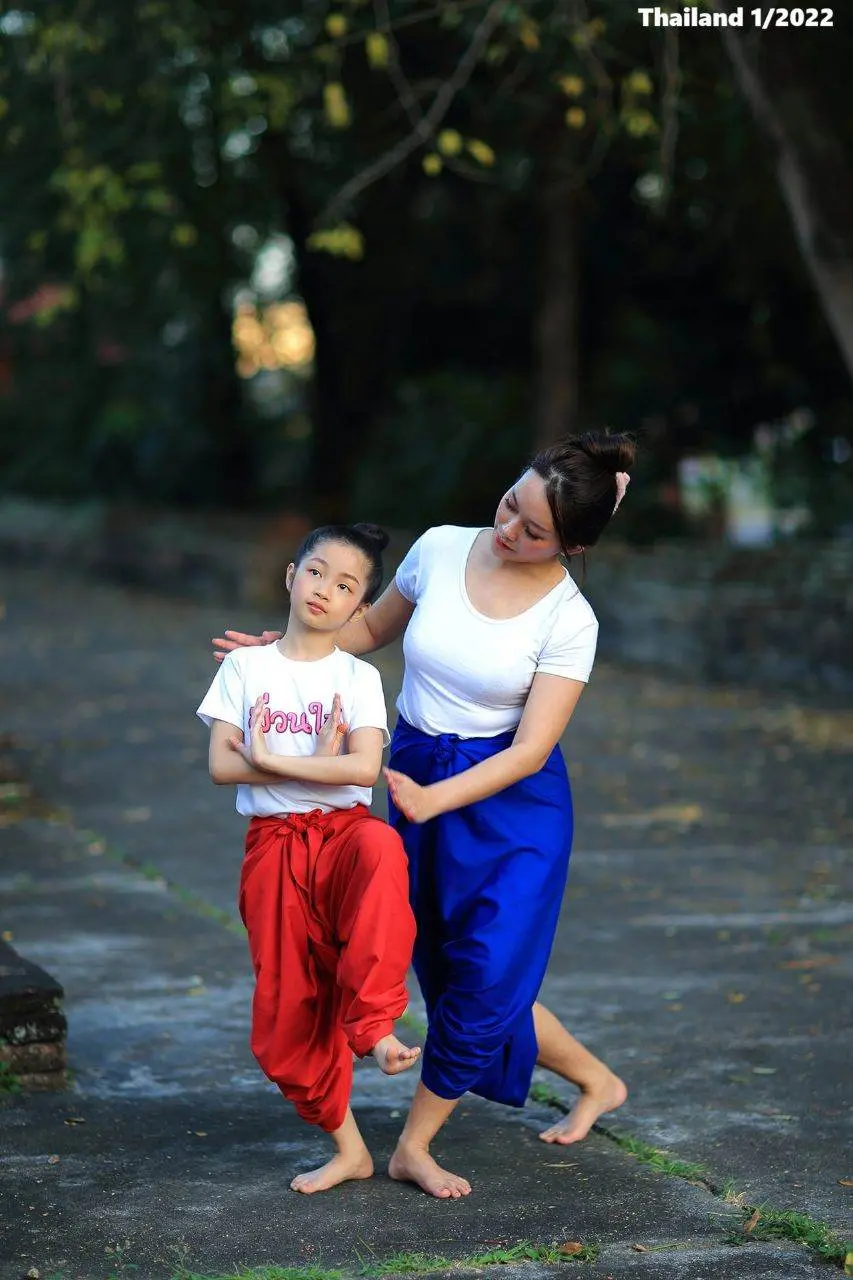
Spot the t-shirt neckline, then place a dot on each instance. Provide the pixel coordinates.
(304, 662)
(484, 617)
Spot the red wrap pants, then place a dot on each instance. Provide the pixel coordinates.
(325, 900)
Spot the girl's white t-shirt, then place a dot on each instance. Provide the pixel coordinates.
(469, 674)
(299, 697)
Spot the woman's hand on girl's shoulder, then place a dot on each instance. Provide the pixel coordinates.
(223, 645)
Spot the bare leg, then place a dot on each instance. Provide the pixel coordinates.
(393, 1056)
(601, 1090)
(412, 1162)
(352, 1160)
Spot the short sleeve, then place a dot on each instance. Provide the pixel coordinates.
(409, 577)
(569, 650)
(368, 702)
(224, 698)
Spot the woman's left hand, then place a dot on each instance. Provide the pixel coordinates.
(414, 802)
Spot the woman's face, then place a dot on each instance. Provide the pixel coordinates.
(524, 531)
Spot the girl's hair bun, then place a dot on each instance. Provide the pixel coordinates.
(613, 451)
(374, 534)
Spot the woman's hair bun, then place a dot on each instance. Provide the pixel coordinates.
(613, 450)
(373, 533)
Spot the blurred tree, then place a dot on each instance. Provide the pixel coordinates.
(798, 94)
(459, 185)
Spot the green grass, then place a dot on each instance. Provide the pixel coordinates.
(198, 905)
(412, 1264)
(787, 1224)
(541, 1094)
(524, 1251)
(263, 1273)
(662, 1161)
(411, 1022)
(401, 1264)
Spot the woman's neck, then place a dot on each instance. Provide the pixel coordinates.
(541, 571)
(301, 644)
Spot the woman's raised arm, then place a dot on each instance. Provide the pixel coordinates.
(378, 625)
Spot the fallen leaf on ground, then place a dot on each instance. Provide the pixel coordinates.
(752, 1221)
(142, 814)
(845, 1182)
(812, 962)
(53, 1159)
(640, 1248)
(735, 997)
(678, 813)
(570, 1247)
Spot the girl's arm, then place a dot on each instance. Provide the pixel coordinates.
(230, 762)
(548, 709)
(379, 625)
(230, 767)
(359, 767)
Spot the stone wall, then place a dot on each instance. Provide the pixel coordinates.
(32, 1026)
(774, 617)
(778, 617)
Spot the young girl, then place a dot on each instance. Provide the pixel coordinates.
(498, 644)
(324, 891)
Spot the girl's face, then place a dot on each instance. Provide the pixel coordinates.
(524, 530)
(327, 587)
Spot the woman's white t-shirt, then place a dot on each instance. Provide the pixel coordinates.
(299, 698)
(469, 674)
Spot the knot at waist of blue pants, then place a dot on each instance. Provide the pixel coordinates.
(445, 747)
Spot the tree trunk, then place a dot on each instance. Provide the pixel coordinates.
(360, 316)
(557, 338)
(232, 482)
(815, 174)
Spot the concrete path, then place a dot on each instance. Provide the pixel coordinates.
(704, 952)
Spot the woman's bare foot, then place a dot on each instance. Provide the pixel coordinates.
(413, 1164)
(341, 1168)
(597, 1098)
(393, 1056)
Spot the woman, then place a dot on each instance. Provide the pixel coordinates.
(498, 644)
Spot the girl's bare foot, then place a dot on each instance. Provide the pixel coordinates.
(603, 1094)
(393, 1056)
(341, 1168)
(414, 1164)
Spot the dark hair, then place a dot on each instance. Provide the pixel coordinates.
(580, 483)
(369, 539)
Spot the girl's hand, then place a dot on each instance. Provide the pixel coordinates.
(240, 748)
(414, 801)
(240, 640)
(330, 739)
(258, 750)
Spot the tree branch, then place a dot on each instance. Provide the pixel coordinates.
(425, 127)
(396, 75)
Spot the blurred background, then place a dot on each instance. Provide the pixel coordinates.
(358, 259)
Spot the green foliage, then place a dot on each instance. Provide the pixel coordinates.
(151, 149)
(9, 1082)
